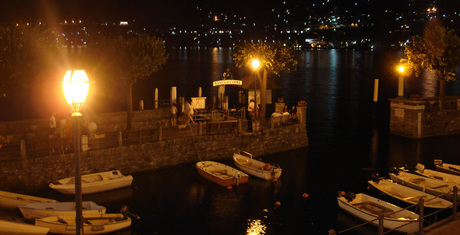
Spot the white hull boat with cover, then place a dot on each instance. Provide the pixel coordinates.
(16, 228)
(39, 210)
(94, 183)
(446, 167)
(449, 178)
(424, 184)
(247, 163)
(100, 224)
(10, 200)
(221, 174)
(409, 195)
(369, 208)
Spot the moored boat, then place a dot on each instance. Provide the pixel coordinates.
(428, 185)
(94, 183)
(446, 167)
(38, 210)
(247, 163)
(369, 208)
(12, 200)
(221, 174)
(105, 223)
(449, 178)
(17, 228)
(409, 195)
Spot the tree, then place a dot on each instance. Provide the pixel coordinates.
(273, 59)
(26, 52)
(131, 59)
(438, 50)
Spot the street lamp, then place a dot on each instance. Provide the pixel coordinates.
(401, 81)
(255, 64)
(76, 85)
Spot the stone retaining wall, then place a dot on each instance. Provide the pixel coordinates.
(29, 175)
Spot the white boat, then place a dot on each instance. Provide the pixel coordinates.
(12, 200)
(424, 184)
(221, 174)
(105, 223)
(17, 228)
(94, 183)
(368, 208)
(449, 178)
(446, 167)
(409, 195)
(247, 163)
(46, 209)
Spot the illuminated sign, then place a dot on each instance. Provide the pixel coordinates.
(227, 82)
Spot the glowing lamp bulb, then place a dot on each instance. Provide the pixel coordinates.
(255, 64)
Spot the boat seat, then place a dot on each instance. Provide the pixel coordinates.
(373, 208)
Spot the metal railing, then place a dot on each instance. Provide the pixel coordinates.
(421, 219)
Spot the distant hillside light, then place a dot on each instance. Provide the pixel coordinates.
(75, 85)
(255, 64)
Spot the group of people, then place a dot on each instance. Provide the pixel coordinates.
(187, 114)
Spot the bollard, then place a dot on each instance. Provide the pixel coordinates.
(200, 128)
(156, 99)
(420, 225)
(160, 135)
(23, 149)
(454, 208)
(376, 90)
(380, 224)
(120, 139)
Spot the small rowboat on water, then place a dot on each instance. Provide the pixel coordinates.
(368, 208)
(16, 228)
(428, 185)
(409, 195)
(247, 163)
(221, 174)
(12, 200)
(101, 224)
(446, 167)
(449, 178)
(94, 183)
(39, 210)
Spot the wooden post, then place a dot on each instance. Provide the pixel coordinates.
(421, 218)
(120, 139)
(376, 90)
(200, 128)
(156, 98)
(380, 224)
(23, 149)
(454, 208)
(240, 125)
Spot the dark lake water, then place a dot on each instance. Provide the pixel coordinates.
(348, 137)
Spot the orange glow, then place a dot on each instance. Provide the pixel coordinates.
(75, 85)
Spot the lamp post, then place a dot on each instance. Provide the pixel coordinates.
(401, 81)
(255, 64)
(76, 85)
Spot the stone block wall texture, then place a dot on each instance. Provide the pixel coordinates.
(31, 175)
(419, 119)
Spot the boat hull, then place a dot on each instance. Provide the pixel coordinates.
(39, 210)
(15, 228)
(448, 168)
(367, 208)
(449, 178)
(94, 183)
(10, 200)
(102, 224)
(409, 195)
(256, 168)
(221, 174)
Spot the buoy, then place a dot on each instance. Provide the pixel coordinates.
(368, 188)
(275, 180)
(229, 187)
(277, 203)
(343, 193)
(305, 196)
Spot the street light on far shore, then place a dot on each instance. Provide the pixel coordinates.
(75, 85)
(401, 81)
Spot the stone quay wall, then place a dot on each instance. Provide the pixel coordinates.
(422, 118)
(34, 174)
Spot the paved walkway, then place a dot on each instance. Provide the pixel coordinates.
(450, 228)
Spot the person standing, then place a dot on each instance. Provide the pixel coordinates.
(173, 114)
(251, 113)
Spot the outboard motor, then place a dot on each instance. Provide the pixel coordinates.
(375, 177)
(125, 212)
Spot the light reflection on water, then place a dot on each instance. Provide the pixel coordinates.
(256, 227)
